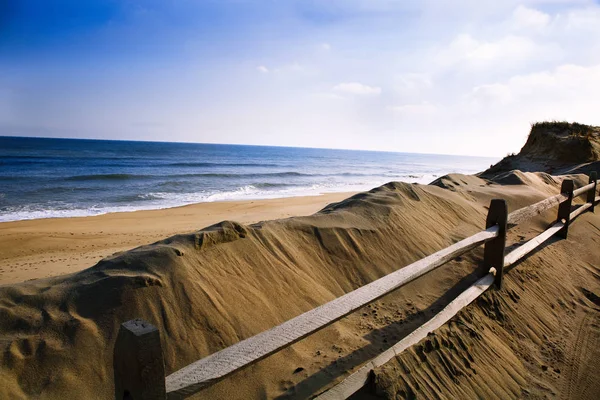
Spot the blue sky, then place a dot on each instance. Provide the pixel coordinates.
(453, 77)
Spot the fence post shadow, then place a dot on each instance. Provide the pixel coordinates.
(379, 339)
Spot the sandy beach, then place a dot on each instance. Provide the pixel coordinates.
(41, 248)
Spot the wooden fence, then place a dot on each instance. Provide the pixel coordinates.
(139, 372)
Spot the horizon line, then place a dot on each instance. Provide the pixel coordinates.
(245, 144)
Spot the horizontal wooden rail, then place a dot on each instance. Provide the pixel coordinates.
(522, 251)
(584, 189)
(358, 379)
(525, 213)
(217, 366)
(528, 247)
(580, 210)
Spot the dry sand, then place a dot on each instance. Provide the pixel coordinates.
(538, 337)
(49, 247)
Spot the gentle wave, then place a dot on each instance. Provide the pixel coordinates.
(162, 200)
(119, 177)
(136, 198)
(55, 190)
(273, 185)
(20, 160)
(64, 157)
(105, 177)
(213, 164)
(9, 178)
(112, 177)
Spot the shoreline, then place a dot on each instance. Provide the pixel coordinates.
(169, 207)
(46, 247)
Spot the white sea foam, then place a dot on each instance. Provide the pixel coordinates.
(162, 200)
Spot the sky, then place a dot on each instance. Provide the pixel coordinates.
(463, 77)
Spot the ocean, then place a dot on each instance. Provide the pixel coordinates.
(48, 178)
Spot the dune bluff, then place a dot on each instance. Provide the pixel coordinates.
(555, 147)
(538, 337)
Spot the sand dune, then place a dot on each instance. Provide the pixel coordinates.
(556, 147)
(48, 247)
(209, 289)
(537, 338)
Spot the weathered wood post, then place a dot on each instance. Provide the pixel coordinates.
(564, 208)
(493, 251)
(138, 363)
(591, 194)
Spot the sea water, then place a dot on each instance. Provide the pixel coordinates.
(45, 178)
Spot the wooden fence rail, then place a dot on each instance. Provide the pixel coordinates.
(526, 213)
(358, 379)
(217, 366)
(138, 360)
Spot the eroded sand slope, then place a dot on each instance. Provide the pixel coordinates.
(537, 338)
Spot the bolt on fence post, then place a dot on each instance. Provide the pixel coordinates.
(138, 363)
(564, 208)
(493, 251)
(591, 194)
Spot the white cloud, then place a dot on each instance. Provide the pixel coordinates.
(586, 19)
(262, 69)
(569, 80)
(566, 81)
(568, 92)
(330, 96)
(470, 51)
(325, 46)
(502, 111)
(357, 88)
(525, 18)
(421, 109)
(491, 93)
(293, 68)
(413, 81)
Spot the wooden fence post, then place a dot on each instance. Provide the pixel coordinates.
(138, 363)
(591, 194)
(564, 208)
(493, 251)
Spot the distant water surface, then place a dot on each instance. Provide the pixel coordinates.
(44, 178)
